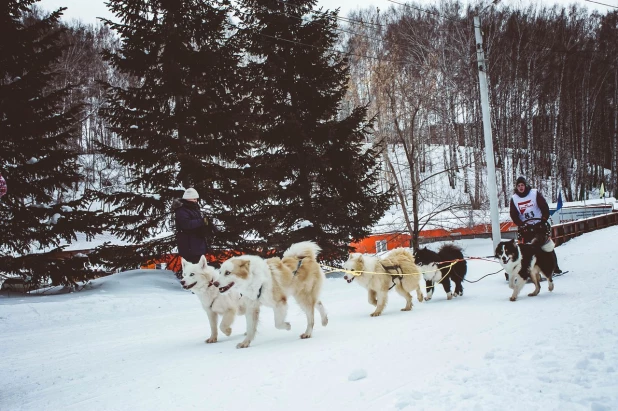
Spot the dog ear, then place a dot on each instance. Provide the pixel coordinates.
(203, 263)
(184, 263)
(244, 263)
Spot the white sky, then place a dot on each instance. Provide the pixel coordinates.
(89, 10)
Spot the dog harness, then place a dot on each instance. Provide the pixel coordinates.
(397, 269)
(300, 262)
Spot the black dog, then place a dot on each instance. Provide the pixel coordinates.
(442, 261)
(524, 262)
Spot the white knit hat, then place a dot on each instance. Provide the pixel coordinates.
(190, 194)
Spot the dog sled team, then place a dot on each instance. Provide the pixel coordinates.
(244, 284)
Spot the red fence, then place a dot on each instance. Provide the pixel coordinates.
(561, 233)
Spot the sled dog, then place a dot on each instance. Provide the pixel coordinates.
(440, 269)
(525, 261)
(199, 278)
(388, 275)
(272, 281)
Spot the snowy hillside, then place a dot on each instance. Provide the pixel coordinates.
(135, 340)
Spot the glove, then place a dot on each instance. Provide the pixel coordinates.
(205, 220)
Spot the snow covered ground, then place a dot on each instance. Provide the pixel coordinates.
(135, 341)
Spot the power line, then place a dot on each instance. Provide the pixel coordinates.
(321, 24)
(435, 13)
(346, 19)
(332, 50)
(602, 4)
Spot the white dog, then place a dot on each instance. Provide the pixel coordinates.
(271, 282)
(380, 275)
(199, 278)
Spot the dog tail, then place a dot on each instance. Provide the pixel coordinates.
(303, 249)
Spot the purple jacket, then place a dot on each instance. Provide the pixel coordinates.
(190, 229)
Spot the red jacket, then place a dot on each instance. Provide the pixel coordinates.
(2, 186)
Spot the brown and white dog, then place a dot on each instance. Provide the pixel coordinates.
(525, 261)
(271, 282)
(199, 278)
(389, 270)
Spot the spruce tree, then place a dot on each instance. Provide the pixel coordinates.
(183, 121)
(45, 204)
(319, 172)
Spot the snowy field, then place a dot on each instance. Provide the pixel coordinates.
(135, 341)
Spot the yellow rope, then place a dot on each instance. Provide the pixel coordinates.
(358, 273)
(450, 267)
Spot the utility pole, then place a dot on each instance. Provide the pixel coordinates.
(489, 145)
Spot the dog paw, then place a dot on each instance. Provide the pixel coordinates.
(513, 298)
(427, 298)
(324, 321)
(551, 286)
(304, 336)
(449, 296)
(226, 331)
(533, 294)
(243, 344)
(211, 340)
(375, 314)
(283, 326)
(406, 309)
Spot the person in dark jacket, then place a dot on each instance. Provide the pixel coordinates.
(528, 203)
(530, 211)
(190, 227)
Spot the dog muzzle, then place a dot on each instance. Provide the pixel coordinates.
(224, 289)
(349, 279)
(188, 287)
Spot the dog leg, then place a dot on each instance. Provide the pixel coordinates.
(382, 300)
(517, 286)
(226, 322)
(252, 315)
(511, 278)
(446, 283)
(429, 286)
(419, 293)
(458, 288)
(281, 312)
(536, 280)
(402, 292)
(372, 298)
(322, 312)
(309, 309)
(550, 280)
(212, 318)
